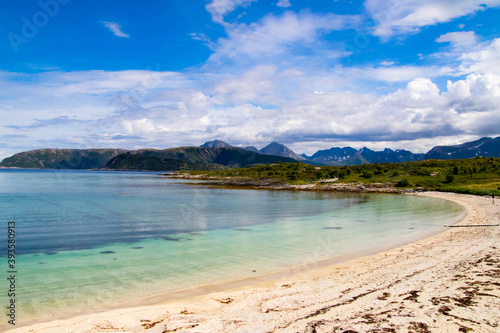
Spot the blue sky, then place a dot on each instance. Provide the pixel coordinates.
(310, 74)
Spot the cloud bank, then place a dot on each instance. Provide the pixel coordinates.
(160, 110)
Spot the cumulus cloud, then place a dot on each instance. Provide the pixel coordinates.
(477, 93)
(407, 16)
(421, 110)
(116, 29)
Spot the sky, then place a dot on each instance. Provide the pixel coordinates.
(401, 74)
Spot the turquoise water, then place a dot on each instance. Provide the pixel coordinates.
(87, 240)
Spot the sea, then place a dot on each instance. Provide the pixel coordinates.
(90, 240)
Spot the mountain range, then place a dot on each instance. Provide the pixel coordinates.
(191, 158)
(171, 159)
(215, 155)
(487, 147)
(274, 148)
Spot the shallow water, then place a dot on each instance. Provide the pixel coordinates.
(93, 239)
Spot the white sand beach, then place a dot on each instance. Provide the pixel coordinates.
(446, 283)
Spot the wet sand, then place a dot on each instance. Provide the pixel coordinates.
(446, 283)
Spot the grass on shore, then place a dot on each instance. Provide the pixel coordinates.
(479, 176)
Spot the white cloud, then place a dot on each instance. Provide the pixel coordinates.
(220, 8)
(468, 56)
(256, 84)
(116, 29)
(83, 108)
(387, 63)
(131, 110)
(285, 36)
(389, 73)
(470, 107)
(284, 3)
(477, 93)
(483, 59)
(459, 38)
(202, 38)
(407, 16)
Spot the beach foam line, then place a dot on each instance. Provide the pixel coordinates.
(472, 225)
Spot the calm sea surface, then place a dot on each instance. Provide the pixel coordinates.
(88, 239)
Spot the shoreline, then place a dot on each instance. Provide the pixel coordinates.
(290, 302)
(275, 184)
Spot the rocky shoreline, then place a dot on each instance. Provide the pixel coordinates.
(276, 184)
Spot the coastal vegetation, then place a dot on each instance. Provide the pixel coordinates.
(479, 176)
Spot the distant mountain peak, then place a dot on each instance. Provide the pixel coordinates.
(351, 156)
(215, 144)
(273, 145)
(278, 149)
(487, 147)
(333, 155)
(252, 148)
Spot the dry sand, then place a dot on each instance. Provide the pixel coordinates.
(447, 283)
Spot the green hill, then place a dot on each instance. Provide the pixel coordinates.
(190, 158)
(61, 158)
(172, 159)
